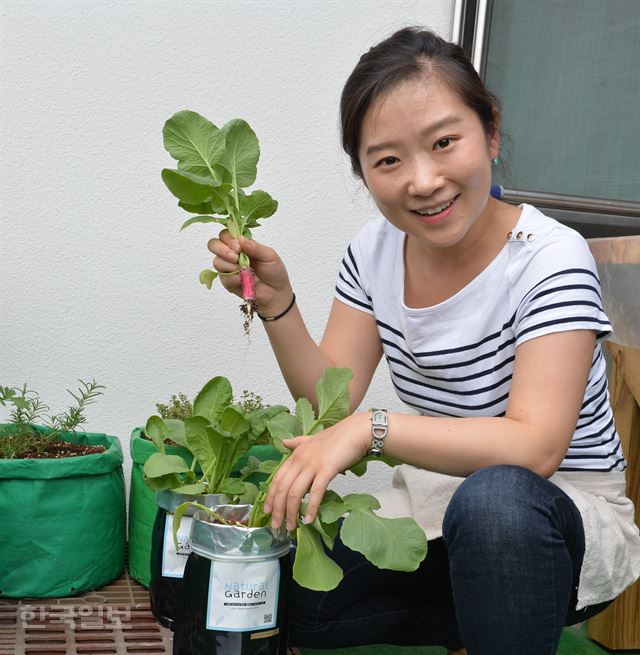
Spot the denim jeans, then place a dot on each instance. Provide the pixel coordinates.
(502, 580)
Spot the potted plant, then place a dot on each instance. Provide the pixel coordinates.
(218, 436)
(57, 485)
(143, 507)
(231, 553)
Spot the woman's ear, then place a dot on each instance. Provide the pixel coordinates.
(493, 138)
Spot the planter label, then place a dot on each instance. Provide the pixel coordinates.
(243, 596)
(173, 563)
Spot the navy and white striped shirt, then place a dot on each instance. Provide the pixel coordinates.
(456, 358)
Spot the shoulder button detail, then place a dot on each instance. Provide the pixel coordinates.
(531, 237)
(519, 235)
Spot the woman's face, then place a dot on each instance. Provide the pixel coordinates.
(426, 160)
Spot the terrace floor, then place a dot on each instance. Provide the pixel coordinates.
(117, 620)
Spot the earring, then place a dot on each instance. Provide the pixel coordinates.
(495, 161)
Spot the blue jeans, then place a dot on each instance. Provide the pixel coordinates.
(502, 581)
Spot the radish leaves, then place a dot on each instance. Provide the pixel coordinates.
(214, 167)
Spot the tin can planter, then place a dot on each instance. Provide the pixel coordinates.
(236, 589)
(63, 521)
(142, 500)
(167, 565)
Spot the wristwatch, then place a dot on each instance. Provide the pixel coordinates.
(379, 427)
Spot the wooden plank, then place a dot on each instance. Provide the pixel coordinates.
(618, 627)
(616, 250)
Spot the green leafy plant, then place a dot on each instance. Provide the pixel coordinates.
(215, 165)
(218, 434)
(398, 544)
(21, 435)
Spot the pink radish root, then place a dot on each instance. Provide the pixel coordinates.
(249, 306)
(248, 284)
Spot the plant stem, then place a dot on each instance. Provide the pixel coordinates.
(257, 512)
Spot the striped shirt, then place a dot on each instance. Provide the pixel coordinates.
(456, 358)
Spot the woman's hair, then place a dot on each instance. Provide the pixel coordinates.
(407, 54)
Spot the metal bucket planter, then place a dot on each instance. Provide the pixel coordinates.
(167, 565)
(236, 589)
(142, 500)
(63, 521)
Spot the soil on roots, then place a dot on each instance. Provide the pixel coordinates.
(248, 309)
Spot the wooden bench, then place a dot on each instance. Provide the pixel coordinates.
(618, 261)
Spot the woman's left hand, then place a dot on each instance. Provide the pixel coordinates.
(314, 461)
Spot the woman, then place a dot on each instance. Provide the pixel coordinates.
(490, 319)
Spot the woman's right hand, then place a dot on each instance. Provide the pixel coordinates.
(273, 289)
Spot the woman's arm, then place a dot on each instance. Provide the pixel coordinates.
(350, 339)
(548, 385)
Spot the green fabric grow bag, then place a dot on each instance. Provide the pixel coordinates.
(142, 501)
(63, 521)
(142, 505)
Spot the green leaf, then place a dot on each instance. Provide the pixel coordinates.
(252, 466)
(196, 143)
(332, 392)
(241, 153)
(157, 431)
(212, 400)
(207, 277)
(396, 544)
(268, 466)
(260, 418)
(231, 486)
(332, 507)
(202, 443)
(234, 422)
(281, 427)
(213, 206)
(312, 567)
(304, 413)
(360, 501)
(171, 481)
(175, 431)
(327, 531)
(160, 464)
(178, 514)
(249, 495)
(259, 204)
(360, 467)
(204, 219)
(192, 489)
(187, 187)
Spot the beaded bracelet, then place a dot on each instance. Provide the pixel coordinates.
(268, 319)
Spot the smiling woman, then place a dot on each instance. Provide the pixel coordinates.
(490, 319)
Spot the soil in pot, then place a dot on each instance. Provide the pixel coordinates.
(34, 446)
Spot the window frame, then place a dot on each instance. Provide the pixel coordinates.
(592, 217)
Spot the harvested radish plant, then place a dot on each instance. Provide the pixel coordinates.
(214, 166)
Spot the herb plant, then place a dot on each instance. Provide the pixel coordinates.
(179, 407)
(398, 544)
(218, 434)
(215, 165)
(21, 435)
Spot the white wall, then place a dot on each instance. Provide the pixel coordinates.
(96, 280)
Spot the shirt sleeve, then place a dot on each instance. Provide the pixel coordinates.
(561, 292)
(352, 285)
